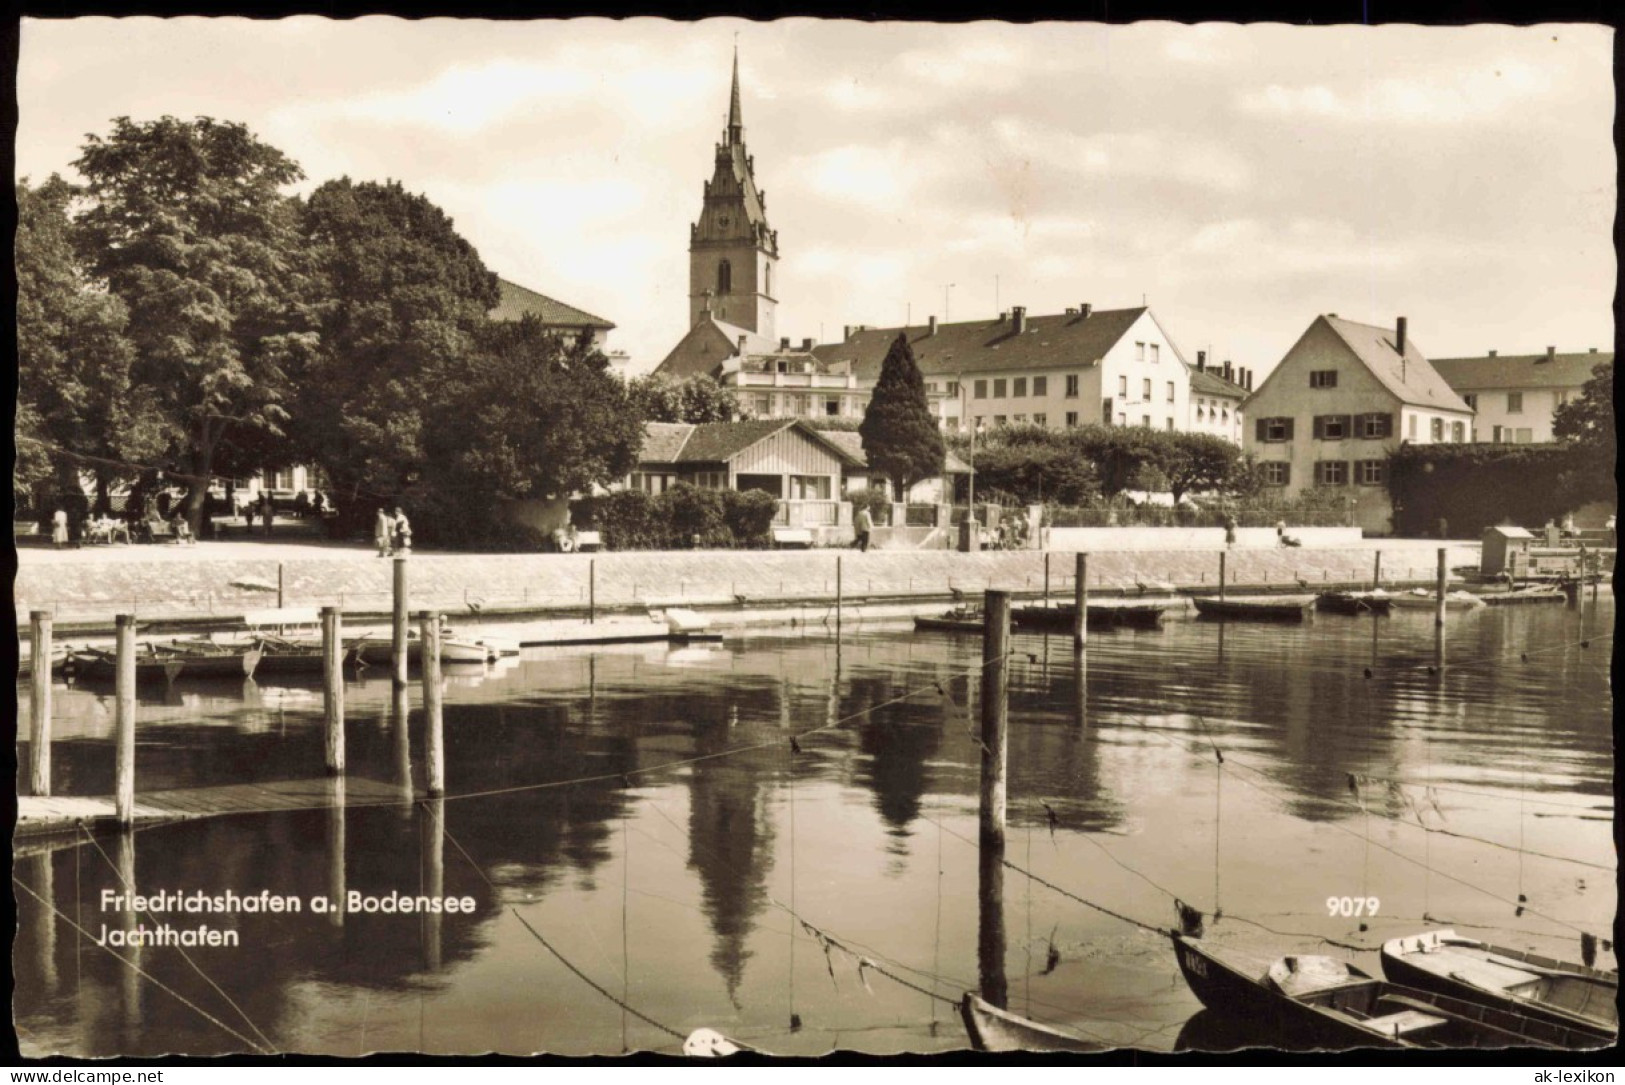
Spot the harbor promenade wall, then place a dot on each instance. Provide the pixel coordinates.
(195, 583)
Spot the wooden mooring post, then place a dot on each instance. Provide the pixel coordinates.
(398, 648)
(838, 600)
(1046, 579)
(990, 940)
(1222, 572)
(434, 741)
(1376, 571)
(335, 850)
(433, 873)
(1439, 609)
(592, 590)
(1080, 603)
(124, 719)
(39, 776)
(333, 688)
(281, 582)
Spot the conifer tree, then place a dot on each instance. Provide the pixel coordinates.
(900, 437)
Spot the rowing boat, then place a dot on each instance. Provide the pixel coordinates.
(1269, 608)
(1422, 599)
(949, 623)
(1354, 602)
(1336, 1005)
(167, 662)
(993, 1029)
(1140, 613)
(1562, 992)
(1542, 593)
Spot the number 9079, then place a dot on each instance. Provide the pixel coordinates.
(1352, 906)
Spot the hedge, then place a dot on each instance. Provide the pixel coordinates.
(682, 518)
(1476, 486)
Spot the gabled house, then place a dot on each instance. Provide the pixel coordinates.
(1344, 397)
(1216, 397)
(1515, 396)
(1111, 366)
(928, 491)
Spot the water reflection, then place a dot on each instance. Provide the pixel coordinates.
(688, 764)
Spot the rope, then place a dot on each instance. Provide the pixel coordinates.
(149, 977)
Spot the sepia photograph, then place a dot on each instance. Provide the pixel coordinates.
(596, 537)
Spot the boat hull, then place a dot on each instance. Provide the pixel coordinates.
(100, 666)
(1357, 603)
(1294, 608)
(993, 1029)
(1134, 613)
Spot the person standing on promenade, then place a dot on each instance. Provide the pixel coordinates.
(382, 530)
(403, 532)
(268, 511)
(862, 524)
(1229, 530)
(59, 527)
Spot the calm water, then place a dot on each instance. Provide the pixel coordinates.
(673, 891)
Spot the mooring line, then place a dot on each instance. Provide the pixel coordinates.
(149, 977)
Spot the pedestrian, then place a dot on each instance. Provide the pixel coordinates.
(183, 530)
(1610, 527)
(248, 517)
(862, 524)
(59, 527)
(383, 530)
(1229, 530)
(268, 512)
(1280, 532)
(403, 532)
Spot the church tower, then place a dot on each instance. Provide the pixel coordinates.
(732, 253)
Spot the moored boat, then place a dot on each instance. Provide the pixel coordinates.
(958, 620)
(1376, 601)
(993, 1029)
(1423, 599)
(1562, 992)
(1268, 608)
(1336, 1005)
(1540, 593)
(1139, 613)
(168, 662)
(378, 650)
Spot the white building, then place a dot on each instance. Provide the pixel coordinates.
(1515, 396)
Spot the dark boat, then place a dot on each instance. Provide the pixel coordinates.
(1139, 613)
(1561, 992)
(957, 620)
(168, 662)
(1335, 1005)
(993, 1029)
(1355, 602)
(1266, 608)
(1541, 593)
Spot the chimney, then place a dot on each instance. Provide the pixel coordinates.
(1201, 361)
(1399, 337)
(807, 344)
(1591, 350)
(1070, 311)
(1551, 354)
(1085, 309)
(846, 331)
(1492, 354)
(784, 342)
(931, 326)
(1004, 314)
(1249, 384)
(741, 350)
(1229, 374)
(1019, 315)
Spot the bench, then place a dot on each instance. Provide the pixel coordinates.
(792, 538)
(156, 530)
(19, 529)
(589, 541)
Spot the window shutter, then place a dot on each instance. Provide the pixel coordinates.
(1348, 424)
(1286, 468)
(1387, 425)
(1348, 472)
(1260, 426)
(1320, 426)
(1288, 422)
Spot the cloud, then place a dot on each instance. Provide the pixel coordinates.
(1443, 97)
(1136, 155)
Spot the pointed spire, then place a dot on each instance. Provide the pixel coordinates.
(736, 124)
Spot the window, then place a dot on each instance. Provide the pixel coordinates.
(1071, 419)
(1020, 388)
(1170, 425)
(832, 406)
(1371, 472)
(1331, 473)
(1331, 427)
(809, 487)
(1410, 427)
(953, 388)
(1139, 352)
(725, 278)
(710, 480)
(1323, 378)
(1225, 415)
(981, 390)
(1277, 473)
(1514, 403)
(1019, 419)
(1201, 414)
(648, 482)
(999, 386)
(998, 420)
(1471, 399)
(764, 405)
(1499, 434)
(1071, 385)
(1436, 430)
(1559, 398)
(1106, 411)
(1458, 432)
(1374, 426)
(1122, 387)
(1274, 429)
(1145, 390)
(1145, 420)
(1041, 420)
(1170, 391)
(1156, 352)
(1122, 419)
(1040, 386)
(930, 388)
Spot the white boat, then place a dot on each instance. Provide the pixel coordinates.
(1423, 599)
(682, 622)
(498, 645)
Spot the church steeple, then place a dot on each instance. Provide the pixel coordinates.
(732, 252)
(736, 123)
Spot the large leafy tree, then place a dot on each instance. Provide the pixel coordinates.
(699, 398)
(75, 412)
(188, 225)
(1193, 462)
(399, 296)
(536, 417)
(901, 439)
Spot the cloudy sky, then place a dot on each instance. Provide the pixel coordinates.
(1241, 179)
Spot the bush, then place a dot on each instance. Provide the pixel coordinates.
(625, 520)
(748, 516)
(694, 516)
(1476, 486)
(877, 499)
